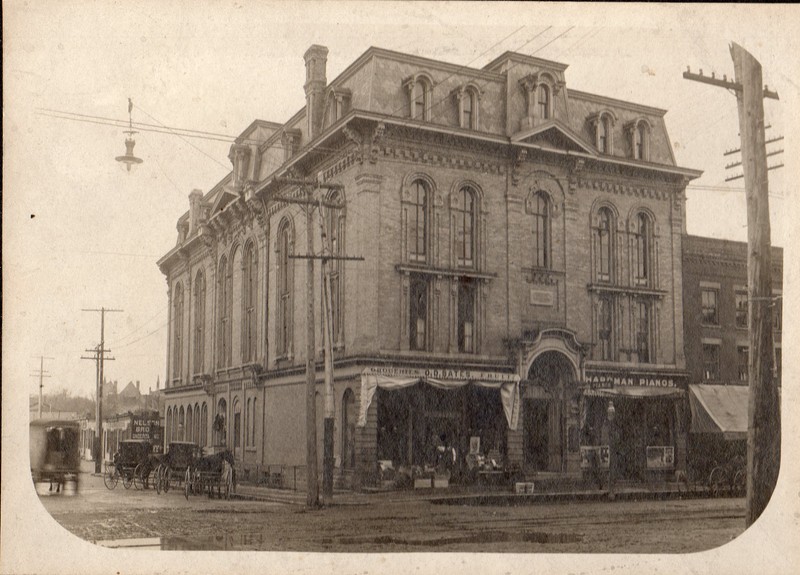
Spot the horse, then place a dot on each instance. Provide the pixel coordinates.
(222, 465)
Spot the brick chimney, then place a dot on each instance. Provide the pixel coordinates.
(316, 58)
(194, 210)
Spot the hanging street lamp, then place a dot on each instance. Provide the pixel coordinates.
(129, 161)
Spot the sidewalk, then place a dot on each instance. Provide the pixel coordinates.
(470, 495)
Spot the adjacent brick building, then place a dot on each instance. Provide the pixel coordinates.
(522, 248)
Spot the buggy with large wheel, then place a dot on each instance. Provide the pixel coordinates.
(175, 466)
(132, 464)
(208, 472)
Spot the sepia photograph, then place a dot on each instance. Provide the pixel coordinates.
(390, 287)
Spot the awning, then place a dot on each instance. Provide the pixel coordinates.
(719, 409)
(635, 392)
(393, 379)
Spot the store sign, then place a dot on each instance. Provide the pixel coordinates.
(144, 428)
(607, 380)
(660, 457)
(437, 373)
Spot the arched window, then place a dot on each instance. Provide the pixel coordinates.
(466, 111)
(168, 422)
(223, 316)
(181, 424)
(543, 101)
(248, 417)
(252, 423)
(250, 291)
(641, 252)
(640, 136)
(221, 423)
(177, 333)
(349, 418)
(540, 209)
(468, 100)
(199, 322)
(196, 433)
(190, 424)
(237, 424)
(603, 235)
(204, 425)
(420, 101)
(334, 227)
(285, 289)
(602, 135)
(174, 436)
(418, 222)
(464, 211)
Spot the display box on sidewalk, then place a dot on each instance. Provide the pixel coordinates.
(523, 488)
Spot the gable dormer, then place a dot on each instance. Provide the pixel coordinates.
(602, 126)
(539, 90)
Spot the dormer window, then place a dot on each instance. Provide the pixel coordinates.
(543, 101)
(603, 123)
(337, 105)
(420, 95)
(290, 140)
(639, 134)
(467, 100)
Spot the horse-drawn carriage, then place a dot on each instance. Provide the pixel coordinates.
(174, 465)
(55, 455)
(132, 463)
(212, 471)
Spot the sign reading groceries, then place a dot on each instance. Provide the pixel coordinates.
(602, 380)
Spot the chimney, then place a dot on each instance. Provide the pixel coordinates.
(316, 58)
(138, 388)
(194, 210)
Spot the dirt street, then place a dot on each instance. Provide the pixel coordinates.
(396, 524)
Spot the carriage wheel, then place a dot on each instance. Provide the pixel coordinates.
(111, 476)
(167, 474)
(716, 481)
(127, 479)
(139, 478)
(159, 478)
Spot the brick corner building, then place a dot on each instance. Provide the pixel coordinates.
(522, 248)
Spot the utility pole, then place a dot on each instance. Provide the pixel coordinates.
(764, 428)
(100, 352)
(312, 499)
(41, 375)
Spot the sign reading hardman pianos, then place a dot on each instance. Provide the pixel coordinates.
(608, 380)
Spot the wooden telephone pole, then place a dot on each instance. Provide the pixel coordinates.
(764, 424)
(41, 375)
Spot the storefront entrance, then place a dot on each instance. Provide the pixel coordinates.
(550, 409)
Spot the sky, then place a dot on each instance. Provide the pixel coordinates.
(80, 233)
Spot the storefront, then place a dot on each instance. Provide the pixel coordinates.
(440, 419)
(638, 417)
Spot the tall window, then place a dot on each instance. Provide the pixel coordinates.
(284, 290)
(641, 236)
(710, 362)
(466, 111)
(420, 103)
(603, 234)
(543, 100)
(418, 313)
(602, 135)
(223, 317)
(641, 318)
(199, 321)
(189, 424)
(181, 424)
(743, 359)
(418, 222)
(466, 316)
(465, 225)
(221, 423)
(741, 308)
(204, 425)
(197, 437)
(605, 329)
(335, 231)
(639, 135)
(169, 424)
(248, 417)
(709, 303)
(541, 230)
(250, 289)
(177, 331)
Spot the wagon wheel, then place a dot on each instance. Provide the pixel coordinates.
(159, 478)
(111, 476)
(139, 478)
(167, 472)
(127, 479)
(717, 481)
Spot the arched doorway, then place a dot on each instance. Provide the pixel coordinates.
(550, 414)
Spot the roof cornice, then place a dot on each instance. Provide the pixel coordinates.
(606, 101)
